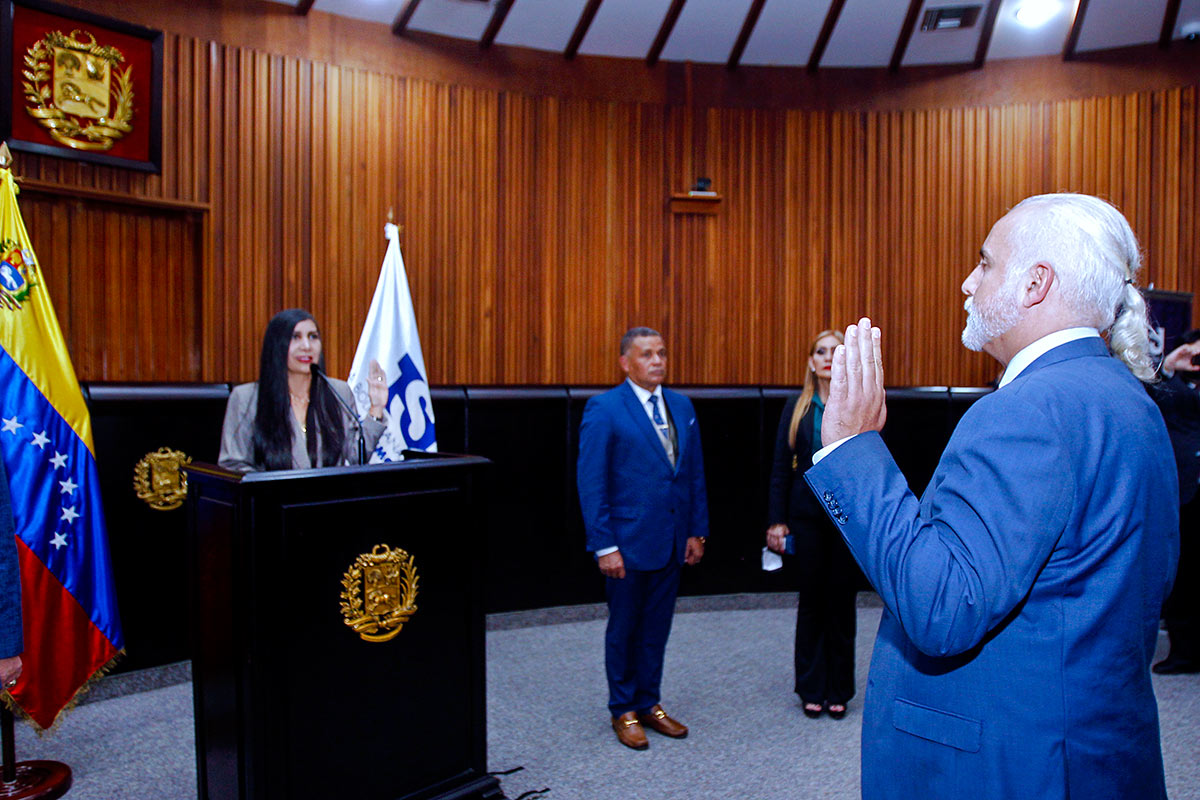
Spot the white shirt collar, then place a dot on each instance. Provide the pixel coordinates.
(643, 396)
(1032, 351)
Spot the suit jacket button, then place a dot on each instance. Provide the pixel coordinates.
(828, 496)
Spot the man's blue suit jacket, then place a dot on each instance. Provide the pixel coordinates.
(630, 496)
(1022, 592)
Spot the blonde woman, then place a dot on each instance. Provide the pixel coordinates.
(828, 576)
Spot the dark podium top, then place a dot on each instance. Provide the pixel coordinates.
(291, 701)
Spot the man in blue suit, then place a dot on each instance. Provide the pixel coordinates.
(1022, 591)
(645, 509)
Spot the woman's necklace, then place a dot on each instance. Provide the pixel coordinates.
(301, 418)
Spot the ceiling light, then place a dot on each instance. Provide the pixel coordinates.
(1036, 13)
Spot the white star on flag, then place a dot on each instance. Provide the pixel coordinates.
(59, 460)
(68, 486)
(69, 513)
(59, 541)
(41, 439)
(11, 425)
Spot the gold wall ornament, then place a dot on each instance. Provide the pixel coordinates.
(158, 479)
(74, 89)
(379, 593)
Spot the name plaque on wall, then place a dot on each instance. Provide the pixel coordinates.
(80, 86)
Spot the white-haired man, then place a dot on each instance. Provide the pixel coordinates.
(1022, 591)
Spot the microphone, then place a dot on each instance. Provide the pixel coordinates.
(362, 436)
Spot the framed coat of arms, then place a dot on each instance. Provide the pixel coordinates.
(77, 85)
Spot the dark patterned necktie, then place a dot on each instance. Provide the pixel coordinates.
(664, 430)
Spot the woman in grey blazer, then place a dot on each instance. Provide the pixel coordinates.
(289, 418)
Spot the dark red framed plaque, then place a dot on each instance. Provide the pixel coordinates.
(77, 85)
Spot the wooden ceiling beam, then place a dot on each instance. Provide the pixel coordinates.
(405, 14)
(493, 27)
(985, 33)
(831, 19)
(304, 6)
(735, 55)
(1076, 29)
(1170, 18)
(581, 28)
(664, 31)
(906, 32)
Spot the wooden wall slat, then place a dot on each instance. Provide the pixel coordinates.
(536, 229)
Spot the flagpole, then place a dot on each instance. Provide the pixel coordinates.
(29, 780)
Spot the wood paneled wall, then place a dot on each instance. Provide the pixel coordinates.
(536, 228)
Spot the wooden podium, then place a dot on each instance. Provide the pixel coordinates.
(290, 700)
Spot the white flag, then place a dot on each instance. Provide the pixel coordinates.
(390, 337)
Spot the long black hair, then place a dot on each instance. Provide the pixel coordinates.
(272, 421)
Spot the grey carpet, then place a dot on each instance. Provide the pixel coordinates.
(728, 676)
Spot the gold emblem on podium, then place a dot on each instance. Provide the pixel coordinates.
(74, 89)
(379, 593)
(158, 480)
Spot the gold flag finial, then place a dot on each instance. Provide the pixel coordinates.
(5, 156)
(391, 214)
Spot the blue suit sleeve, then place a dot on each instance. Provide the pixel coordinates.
(11, 637)
(699, 489)
(591, 475)
(952, 566)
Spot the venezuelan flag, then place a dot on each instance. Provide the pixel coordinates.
(72, 632)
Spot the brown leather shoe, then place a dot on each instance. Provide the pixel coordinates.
(629, 731)
(657, 719)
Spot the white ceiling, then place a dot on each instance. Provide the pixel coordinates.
(787, 30)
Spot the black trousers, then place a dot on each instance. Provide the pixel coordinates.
(826, 616)
(1181, 611)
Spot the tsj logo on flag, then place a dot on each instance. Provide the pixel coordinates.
(70, 629)
(390, 338)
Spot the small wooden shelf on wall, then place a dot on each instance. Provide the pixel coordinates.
(686, 203)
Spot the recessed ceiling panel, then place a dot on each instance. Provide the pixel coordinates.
(1189, 17)
(786, 32)
(625, 28)
(866, 34)
(370, 10)
(706, 31)
(544, 24)
(465, 19)
(946, 46)
(1112, 23)
(1011, 39)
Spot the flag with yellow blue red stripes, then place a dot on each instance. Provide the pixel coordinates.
(71, 629)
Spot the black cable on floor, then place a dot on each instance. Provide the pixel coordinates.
(505, 771)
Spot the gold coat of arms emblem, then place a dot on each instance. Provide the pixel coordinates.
(74, 88)
(379, 593)
(158, 479)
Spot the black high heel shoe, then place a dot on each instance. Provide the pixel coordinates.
(813, 710)
(836, 710)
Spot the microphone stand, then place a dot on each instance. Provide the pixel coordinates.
(362, 435)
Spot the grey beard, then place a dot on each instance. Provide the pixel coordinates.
(987, 323)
